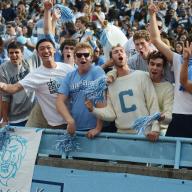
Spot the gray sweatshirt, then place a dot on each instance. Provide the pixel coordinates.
(21, 102)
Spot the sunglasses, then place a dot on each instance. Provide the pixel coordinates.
(79, 55)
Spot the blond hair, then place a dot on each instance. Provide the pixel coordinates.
(83, 45)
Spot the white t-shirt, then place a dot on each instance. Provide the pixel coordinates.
(182, 99)
(45, 82)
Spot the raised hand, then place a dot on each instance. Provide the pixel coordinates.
(152, 8)
(48, 4)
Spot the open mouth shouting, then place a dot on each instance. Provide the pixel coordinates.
(83, 62)
(141, 52)
(153, 73)
(120, 58)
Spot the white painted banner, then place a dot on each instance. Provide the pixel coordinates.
(17, 160)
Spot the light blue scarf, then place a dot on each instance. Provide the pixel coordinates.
(142, 123)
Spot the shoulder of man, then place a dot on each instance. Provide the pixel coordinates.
(132, 60)
(143, 74)
(98, 69)
(5, 66)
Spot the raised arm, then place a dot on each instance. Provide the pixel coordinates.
(155, 34)
(187, 84)
(47, 17)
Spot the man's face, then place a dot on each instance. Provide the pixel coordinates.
(46, 51)
(20, 8)
(68, 52)
(15, 56)
(96, 53)
(142, 46)
(83, 59)
(10, 30)
(156, 69)
(119, 57)
(79, 25)
(97, 8)
(179, 48)
(86, 8)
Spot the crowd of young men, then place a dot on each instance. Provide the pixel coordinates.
(140, 85)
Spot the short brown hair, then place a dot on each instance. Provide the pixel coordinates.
(83, 45)
(69, 42)
(156, 55)
(110, 53)
(15, 45)
(83, 20)
(141, 34)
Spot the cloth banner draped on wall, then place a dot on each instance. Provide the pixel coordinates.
(17, 160)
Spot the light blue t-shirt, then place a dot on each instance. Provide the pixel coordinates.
(71, 86)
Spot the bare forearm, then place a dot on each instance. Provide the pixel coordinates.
(187, 84)
(53, 26)
(99, 125)
(63, 110)
(5, 111)
(184, 72)
(10, 88)
(156, 38)
(47, 22)
(154, 31)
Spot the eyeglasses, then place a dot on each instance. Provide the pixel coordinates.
(79, 55)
